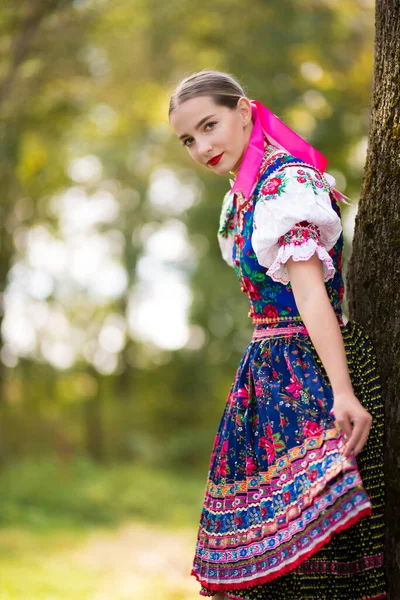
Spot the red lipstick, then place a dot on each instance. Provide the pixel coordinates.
(214, 161)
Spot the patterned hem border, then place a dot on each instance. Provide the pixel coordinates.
(220, 587)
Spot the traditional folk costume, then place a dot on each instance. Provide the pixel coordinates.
(286, 516)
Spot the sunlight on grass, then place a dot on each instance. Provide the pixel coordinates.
(134, 561)
(37, 566)
(86, 532)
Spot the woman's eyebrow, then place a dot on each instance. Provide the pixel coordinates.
(199, 124)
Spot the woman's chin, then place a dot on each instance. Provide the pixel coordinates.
(223, 167)
(220, 169)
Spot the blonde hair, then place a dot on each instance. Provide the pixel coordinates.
(222, 87)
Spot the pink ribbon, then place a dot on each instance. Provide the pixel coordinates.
(268, 124)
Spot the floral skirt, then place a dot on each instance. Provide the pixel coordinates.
(279, 488)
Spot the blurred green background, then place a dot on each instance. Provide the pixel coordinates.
(121, 325)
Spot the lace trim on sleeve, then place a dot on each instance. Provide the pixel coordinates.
(300, 243)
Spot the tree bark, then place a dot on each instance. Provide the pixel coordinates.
(373, 279)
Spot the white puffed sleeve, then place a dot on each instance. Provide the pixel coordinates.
(293, 217)
(225, 230)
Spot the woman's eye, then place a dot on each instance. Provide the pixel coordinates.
(208, 127)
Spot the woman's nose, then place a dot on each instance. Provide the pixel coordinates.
(204, 148)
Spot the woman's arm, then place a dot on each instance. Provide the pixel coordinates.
(312, 301)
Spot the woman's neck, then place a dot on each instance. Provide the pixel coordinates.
(267, 147)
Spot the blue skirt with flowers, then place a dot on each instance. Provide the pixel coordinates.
(279, 487)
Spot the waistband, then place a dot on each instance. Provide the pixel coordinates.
(259, 333)
(265, 331)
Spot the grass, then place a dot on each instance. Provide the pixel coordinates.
(80, 493)
(80, 531)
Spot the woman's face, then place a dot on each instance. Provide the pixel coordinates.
(215, 136)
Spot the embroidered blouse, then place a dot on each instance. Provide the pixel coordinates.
(291, 213)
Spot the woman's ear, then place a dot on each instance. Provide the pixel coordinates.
(245, 110)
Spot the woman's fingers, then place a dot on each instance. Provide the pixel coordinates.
(361, 443)
(345, 425)
(359, 435)
(355, 423)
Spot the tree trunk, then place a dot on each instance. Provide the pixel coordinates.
(374, 269)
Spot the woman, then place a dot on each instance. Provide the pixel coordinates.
(289, 513)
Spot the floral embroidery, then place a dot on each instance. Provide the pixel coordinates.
(311, 179)
(269, 449)
(311, 429)
(272, 187)
(244, 395)
(294, 388)
(300, 233)
(248, 286)
(226, 221)
(269, 310)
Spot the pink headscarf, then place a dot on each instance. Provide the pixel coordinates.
(280, 135)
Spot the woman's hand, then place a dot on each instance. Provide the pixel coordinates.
(354, 421)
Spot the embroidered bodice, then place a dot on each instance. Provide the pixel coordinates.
(291, 212)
